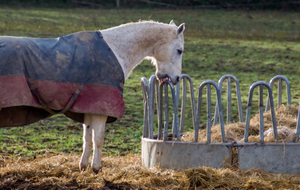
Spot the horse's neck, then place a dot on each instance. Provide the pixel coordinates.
(132, 43)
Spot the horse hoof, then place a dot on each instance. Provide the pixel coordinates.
(97, 170)
(82, 168)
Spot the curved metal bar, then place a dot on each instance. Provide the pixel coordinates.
(160, 110)
(208, 111)
(183, 105)
(261, 112)
(239, 100)
(288, 90)
(197, 121)
(151, 104)
(166, 111)
(298, 126)
(175, 130)
(279, 95)
(228, 101)
(249, 105)
(144, 84)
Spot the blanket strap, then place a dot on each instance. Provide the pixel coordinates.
(72, 100)
(45, 107)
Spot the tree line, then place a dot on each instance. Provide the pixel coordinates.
(177, 4)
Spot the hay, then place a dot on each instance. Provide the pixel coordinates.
(286, 119)
(61, 172)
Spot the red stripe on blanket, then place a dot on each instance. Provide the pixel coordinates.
(96, 99)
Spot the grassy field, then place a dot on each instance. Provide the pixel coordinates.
(255, 45)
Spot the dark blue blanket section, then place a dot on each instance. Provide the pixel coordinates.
(81, 58)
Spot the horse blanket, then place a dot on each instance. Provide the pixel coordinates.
(35, 72)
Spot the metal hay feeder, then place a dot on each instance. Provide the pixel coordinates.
(175, 154)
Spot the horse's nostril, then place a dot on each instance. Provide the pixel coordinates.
(177, 79)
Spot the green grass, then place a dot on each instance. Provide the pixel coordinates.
(255, 45)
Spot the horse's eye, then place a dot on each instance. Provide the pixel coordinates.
(179, 51)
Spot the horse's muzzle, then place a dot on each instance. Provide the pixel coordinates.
(162, 77)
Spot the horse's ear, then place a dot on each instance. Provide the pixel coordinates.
(172, 23)
(181, 28)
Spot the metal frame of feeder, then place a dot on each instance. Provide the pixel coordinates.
(260, 84)
(149, 106)
(270, 157)
(196, 112)
(156, 149)
(166, 153)
(239, 101)
(279, 95)
(184, 78)
(208, 125)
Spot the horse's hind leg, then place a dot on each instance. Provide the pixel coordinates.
(87, 144)
(98, 123)
(94, 128)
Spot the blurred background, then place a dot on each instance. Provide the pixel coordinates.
(176, 4)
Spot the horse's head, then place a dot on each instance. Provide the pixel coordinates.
(168, 54)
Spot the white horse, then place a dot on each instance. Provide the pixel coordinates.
(162, 43)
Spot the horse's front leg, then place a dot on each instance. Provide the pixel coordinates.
(94, 133)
